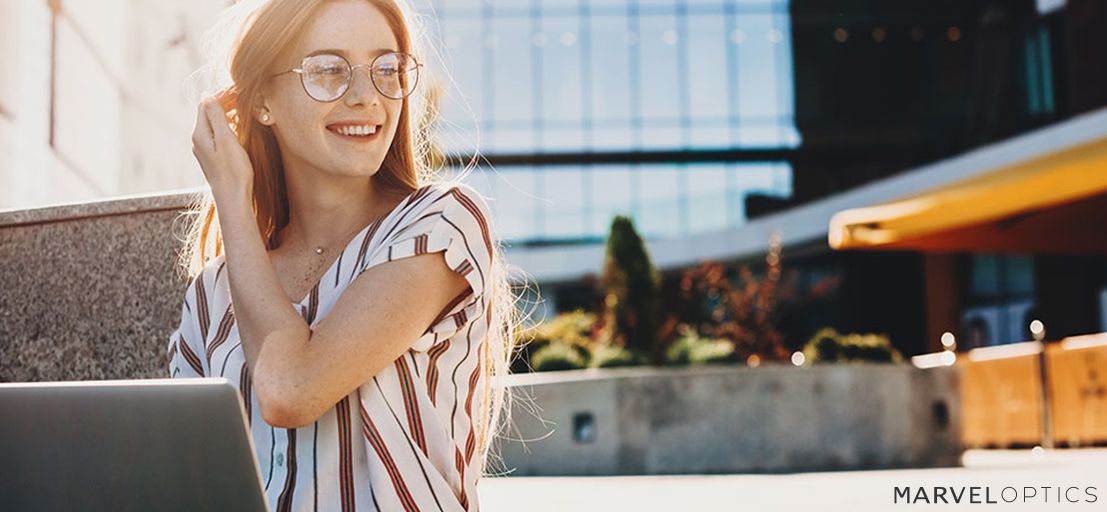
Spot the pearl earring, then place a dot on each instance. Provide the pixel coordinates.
(265, 117)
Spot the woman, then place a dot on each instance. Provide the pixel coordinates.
(373, 391)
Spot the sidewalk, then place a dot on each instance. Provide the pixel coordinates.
(862, 491)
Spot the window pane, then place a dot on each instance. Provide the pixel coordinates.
(560, 69)
(707, 84)
(985, 275)
(516, 197)
(660, 89)
(609, 72)
(707, 197)
(563, 215)
(1020, 274)
(757, 38)
(561, 82)
(611, 195)
(511, 87)
(658, 69)
(660, 202)
(463, 104)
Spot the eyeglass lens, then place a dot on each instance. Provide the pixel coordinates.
(326, 77)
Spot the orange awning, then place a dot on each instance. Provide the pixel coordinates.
(1056, 203)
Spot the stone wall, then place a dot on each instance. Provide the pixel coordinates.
(727, 419)
(90, 290)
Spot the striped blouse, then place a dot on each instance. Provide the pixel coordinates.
(406, 440)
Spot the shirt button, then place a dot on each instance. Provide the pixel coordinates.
(280, 459)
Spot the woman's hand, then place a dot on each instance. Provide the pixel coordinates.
(224, 161)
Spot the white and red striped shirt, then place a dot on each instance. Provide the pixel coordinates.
(407, 439)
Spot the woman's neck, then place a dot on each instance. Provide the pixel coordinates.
(326, 212)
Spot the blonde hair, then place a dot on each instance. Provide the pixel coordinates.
(264, 31)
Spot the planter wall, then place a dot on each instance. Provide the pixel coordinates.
(727, 419)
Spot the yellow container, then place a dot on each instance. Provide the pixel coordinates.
(1001, 395)
(1077, 372)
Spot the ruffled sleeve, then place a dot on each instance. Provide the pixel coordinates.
(455, 218)
(186, 343)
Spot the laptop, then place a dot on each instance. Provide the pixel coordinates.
(149, 444)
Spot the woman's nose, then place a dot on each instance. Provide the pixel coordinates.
(362, 90)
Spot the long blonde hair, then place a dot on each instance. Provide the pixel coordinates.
(263, 33)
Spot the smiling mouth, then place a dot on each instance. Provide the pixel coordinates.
(362, 133)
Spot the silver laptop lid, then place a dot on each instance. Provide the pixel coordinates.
(152, 444)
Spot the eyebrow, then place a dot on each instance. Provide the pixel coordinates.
(343, 53)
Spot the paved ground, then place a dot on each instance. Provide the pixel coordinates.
(856, 491)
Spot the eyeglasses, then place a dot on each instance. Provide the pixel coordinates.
(326, 76)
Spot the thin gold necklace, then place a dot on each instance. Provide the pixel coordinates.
(319, 249)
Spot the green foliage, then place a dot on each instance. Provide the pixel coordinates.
(573, 328)
(566, 331)
(557, 356)
(691, 349)
(609, 356)
(631, 290)
(828, 346)
(565, 342)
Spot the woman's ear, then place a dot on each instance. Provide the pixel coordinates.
(262, 113)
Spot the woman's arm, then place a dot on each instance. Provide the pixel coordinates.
(375, 321)
(258, 298)
(297, 374)
(261, 309)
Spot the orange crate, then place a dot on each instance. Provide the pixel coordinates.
(1001, 395)
(1077, 372)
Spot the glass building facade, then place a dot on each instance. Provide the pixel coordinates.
(648, 85)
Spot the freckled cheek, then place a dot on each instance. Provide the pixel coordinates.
(303, 124)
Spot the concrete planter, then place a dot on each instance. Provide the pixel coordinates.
(727, 419)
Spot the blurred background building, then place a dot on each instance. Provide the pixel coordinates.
(712, 123)
(93, 99)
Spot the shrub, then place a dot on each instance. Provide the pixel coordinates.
(744, 304)
(556, 356)
(691, 349)
(573, 328)
(570, 329)
(828, 346)
(610, 356)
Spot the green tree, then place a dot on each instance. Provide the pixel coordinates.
(631, 290)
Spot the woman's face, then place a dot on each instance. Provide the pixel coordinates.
(308, 131)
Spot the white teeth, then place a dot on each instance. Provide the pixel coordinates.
(357, 130)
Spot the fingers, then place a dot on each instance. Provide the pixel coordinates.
(217, 119)
(203, 139)
(228, 98)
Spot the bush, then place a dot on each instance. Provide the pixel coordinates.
(572, 329)
(828, 346)
(556, 356)
(691, 349)
(610, 356)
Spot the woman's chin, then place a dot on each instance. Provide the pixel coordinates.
(357, 170)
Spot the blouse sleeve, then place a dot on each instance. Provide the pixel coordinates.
(185, 343)
(456, 220)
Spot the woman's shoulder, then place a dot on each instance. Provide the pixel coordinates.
(452, 188)
(457, 197)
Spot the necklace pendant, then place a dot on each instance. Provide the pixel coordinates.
(318, 250)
